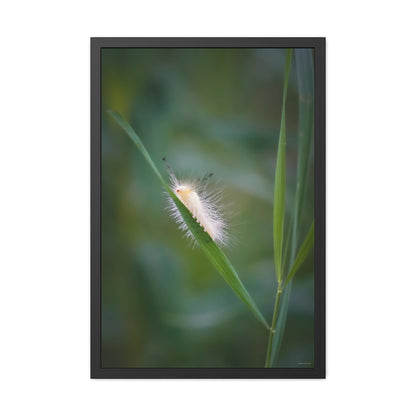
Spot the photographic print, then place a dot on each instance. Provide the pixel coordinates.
(207, 207)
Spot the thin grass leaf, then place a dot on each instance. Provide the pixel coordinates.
(133, 136)
(287, 289)
(279, 213)
(281, 322)
(304, 250)
(204, 240)
(280, 180)
(304, 68)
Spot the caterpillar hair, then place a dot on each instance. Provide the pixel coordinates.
(203, 201)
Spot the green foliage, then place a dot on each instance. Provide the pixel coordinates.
(161, 303)
(204, 240)
(280, 313)
(304, 67)
(304, 250)
(280, 181)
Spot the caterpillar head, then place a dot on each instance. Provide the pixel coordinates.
(183, 192)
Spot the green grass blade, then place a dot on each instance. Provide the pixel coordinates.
(218, 259)
(305, 79)
(204, 240)
(280, 180)
(304, 250)
(287, 289)
(304, 66)
(279, 214)
(281, 322)
(133, 136)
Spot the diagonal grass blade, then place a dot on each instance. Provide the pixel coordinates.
(304, 250)
(208, 246)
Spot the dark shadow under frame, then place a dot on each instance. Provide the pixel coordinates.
(318, 44)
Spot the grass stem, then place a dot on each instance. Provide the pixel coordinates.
(273, 327)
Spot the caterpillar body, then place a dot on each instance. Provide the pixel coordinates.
(204, 205)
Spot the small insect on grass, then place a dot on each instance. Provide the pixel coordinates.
(205, 210)
(203, 201)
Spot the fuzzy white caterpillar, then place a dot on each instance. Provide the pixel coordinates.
(204, 206)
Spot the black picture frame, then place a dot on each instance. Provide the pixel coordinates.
(318, 44)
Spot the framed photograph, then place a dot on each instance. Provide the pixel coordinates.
(207, 207)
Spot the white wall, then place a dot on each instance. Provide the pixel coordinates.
(44, 221)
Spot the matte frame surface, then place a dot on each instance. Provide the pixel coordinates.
(318, 44)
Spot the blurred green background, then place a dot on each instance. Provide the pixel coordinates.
(206, 110)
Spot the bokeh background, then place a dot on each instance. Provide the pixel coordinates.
(206, 110)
